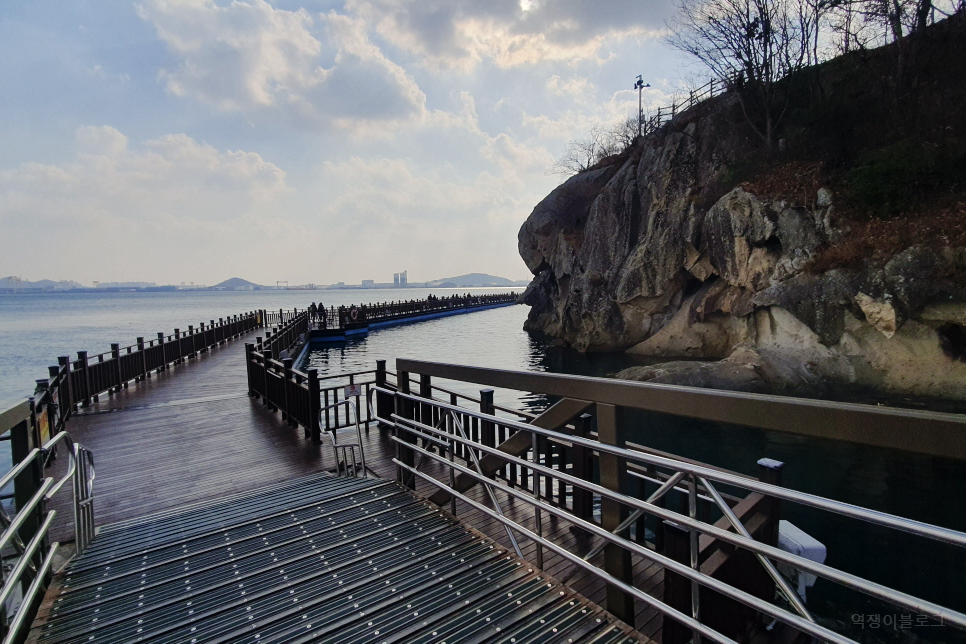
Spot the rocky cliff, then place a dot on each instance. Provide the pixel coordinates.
(653, 252)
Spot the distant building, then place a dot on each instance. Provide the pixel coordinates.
(404, 278)
(368, 283)
(395, 279)
(340, 284)
(124, 284)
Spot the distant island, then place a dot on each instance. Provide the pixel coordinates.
(14, 284)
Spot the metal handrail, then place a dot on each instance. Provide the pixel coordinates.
(899, 598)
(681, 569)
(350, 446)
(911, 526)
(476, 463)
(80, 472)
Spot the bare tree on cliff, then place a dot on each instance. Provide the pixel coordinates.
(752, 43)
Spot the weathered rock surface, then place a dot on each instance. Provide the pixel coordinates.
(645, 254)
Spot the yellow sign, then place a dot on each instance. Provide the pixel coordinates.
(44, 425)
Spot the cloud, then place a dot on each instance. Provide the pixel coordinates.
(264, 62)
(461, 33)
(149, 203)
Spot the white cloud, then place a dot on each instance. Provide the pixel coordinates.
(252, 58)
(149, 203)
(461, 33)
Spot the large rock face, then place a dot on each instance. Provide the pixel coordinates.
(645, 254)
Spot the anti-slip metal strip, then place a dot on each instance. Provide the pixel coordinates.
(358, 560)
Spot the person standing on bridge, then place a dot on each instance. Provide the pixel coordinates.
(323, 315)
(313, 312)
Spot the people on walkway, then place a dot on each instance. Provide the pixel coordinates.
(323, 315)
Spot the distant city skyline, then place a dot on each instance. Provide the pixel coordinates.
(170, 141)
(15, 282)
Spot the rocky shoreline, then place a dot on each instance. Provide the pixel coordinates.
(643, 254)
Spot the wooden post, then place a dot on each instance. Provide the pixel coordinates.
(583, 468)
(177, 337)
(54, 400)
(64, 363)
(315, 405)
(85, 379)
(404, 408)
(25, 485)
(613, 476)
(116, 356)
(383, 401)
(266, 360)
(487, 429)
(144, 360)
(425, 409)
(286, 384)
(677, 589)
(249, 349)
(164, 359)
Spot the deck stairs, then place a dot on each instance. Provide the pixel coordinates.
(314, 559)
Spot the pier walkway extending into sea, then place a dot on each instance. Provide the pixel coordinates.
(222, 517)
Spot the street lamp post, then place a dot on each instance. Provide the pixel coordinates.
(639, 86)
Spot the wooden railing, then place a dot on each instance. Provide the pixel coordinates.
(665, 114)
(78, 383)
(396, 310)
(289, 335)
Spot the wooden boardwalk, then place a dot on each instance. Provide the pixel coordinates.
(192, 434)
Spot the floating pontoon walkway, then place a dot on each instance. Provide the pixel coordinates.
(317, 559)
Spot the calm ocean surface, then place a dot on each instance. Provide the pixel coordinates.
(35, 329)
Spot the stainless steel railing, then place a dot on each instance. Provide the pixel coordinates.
(695, 475)
(347, 448)
(80, 472)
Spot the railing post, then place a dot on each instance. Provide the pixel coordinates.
(249, 349)
(267, 359)
(383, 401)
(177, 337)
(425, 409)
(487, 429)
(85, 378)
(53, 405)
(64, 363)
(164, 359)
(286, 383)
(191, 338)
(315, 406)
(144, 360)
(116, 356)
(583, 468)
(677, 588)
(23, 438)
(204, 340)
(613, 476)
(404, 408)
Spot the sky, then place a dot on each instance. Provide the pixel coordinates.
(179, 141)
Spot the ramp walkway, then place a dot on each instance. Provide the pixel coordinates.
(315, 559)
